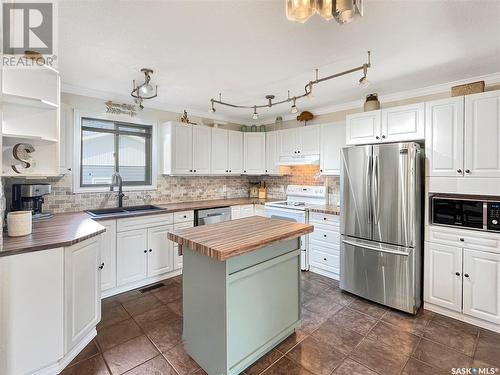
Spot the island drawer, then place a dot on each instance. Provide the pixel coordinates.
(183, 216)
(142, 222)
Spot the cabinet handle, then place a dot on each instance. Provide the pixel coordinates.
(466, 274)
(145, 251)
(377, 137)
(101, 266)
(459, 171)
(462, 240)
(467, 171)
(457, 273)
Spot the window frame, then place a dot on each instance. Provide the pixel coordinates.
(120, 119)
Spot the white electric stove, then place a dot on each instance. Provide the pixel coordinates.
(298, 199)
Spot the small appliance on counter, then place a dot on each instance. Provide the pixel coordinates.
(254, 190)
(29, 197)
(262, 190)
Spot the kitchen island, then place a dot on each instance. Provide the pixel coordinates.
(241, 289)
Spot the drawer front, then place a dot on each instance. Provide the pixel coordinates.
(325, 260)
(329, 237)
(318, 218)
(476, 240)
(183, 216)
(142, 222)
(325, 247)
(186, 224)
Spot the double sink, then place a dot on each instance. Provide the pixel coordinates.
(118, 211)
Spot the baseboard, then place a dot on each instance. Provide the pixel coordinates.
(462, 317)
(150, 280)
(321, 272)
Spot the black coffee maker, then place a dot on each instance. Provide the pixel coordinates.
(29, 197)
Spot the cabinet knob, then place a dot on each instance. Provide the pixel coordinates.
(295, 152)
(467, 171)
(457, 273)
(185, 216)
(190, 170)
(466, 274)
(101, 266)
(194, 170)
(459, 171)
(266, 170)
(324, 235)
(321, 170)
(229, 171)
(145, 251)
(324, 259)
(383, 137)
(298, 152)
(324, 218)
(150, 250)
(462, 240)
(377, 137)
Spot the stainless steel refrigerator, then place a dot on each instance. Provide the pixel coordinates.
(381, 223)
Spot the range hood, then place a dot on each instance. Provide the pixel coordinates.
(299, 160)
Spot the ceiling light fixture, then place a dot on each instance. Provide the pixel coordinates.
(255, 115)
(308, 89)
(145, 90)
(342, 10)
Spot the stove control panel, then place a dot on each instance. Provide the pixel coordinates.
(306, 191)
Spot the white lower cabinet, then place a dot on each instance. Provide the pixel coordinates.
(131, 256)
(462, 279)
(108, 255)
(324, 244)
(241, 211)
(180, 224)
(82, 290)
(482, 285)
(443, 275)
(160, 251)
(50, 304)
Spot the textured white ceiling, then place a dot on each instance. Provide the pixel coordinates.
(247, 49)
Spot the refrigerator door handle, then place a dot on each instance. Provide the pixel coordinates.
(382, 249)
(369, 170)
(375, 195)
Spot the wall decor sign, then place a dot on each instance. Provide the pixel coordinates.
(22, 152)
(120, 109)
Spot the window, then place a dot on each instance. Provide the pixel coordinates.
(112, 146)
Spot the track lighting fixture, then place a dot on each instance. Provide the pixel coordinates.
(308, 91)
(342, 10)
(294, 107)
(255, 114)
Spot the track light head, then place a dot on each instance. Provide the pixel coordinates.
(255, 115)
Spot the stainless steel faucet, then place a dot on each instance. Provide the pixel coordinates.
(116, 180)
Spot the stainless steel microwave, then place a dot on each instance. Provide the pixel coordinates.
(472, 213)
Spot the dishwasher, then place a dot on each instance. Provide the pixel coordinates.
(212, 215)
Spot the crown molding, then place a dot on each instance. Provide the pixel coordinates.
(489, 79)
(104, 95)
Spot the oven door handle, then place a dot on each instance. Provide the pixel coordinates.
(382, 249)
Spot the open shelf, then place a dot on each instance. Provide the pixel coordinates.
(29, 101)
(17, 138)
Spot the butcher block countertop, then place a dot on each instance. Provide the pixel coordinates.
(58, 231)
(228, 239)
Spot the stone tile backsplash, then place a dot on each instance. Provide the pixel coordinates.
(176, 189)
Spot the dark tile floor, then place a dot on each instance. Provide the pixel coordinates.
(140, 333)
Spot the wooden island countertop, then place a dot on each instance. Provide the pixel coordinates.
(228, 239)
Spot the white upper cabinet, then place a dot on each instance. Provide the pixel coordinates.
(482, 285)
(272, 157)
(444, 137)
(443, 276)
(403, 123)
(332, 141)
(254, 154)
(202, 144)
(177, 148)
(288, 142)
(363, 128)
(308, 140)
(482, 135)
(219, 151)
(395, 124)
(235, 152)
(304, 140)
